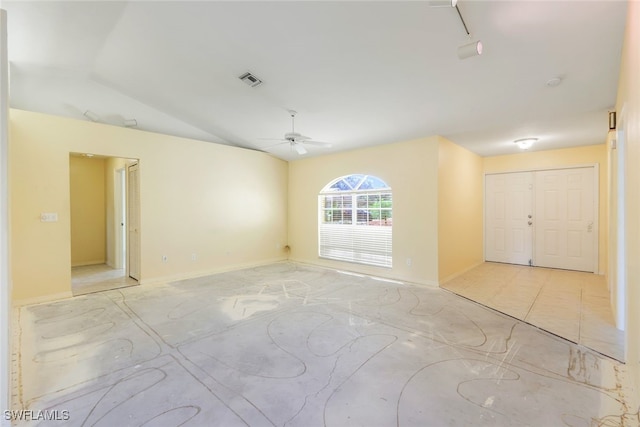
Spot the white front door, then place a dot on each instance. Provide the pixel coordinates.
(508, 212)
(565, 220)
(543, 218)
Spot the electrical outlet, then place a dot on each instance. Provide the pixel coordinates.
(165, 258)
(409, 262)
(194, 257)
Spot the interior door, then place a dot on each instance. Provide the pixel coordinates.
(133, 221)
(565, 219)
(508, 217)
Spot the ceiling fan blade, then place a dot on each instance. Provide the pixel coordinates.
(318, 143)
(268, 147)
(272, 139)
(299, 148)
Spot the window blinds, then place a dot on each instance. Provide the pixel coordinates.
(356, 243)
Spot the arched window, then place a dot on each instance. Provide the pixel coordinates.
(355, 220)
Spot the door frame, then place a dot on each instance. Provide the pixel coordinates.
(596, 208)
(620, 266)
(135, 207)
(5, 244)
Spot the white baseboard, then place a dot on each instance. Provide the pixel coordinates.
(203, 273)
(458, 273)
(42, 299)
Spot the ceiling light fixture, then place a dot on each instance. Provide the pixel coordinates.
(525, 143)
(473, 48)
(555, 81)
(443, 3)
(130, 123)
(91, 116)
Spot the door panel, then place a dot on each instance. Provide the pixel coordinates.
(133, 221)
(565, 218)
(508, 199)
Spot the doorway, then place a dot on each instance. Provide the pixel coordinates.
(544, 218)
(99, 195)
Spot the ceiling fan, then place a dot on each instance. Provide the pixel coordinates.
(298, 141)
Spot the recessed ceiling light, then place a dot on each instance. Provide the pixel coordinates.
(525, 143)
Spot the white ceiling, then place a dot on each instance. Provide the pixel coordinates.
(359, 73)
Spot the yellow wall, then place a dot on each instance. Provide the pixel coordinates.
(628, 109)
(88, 226)
(411, 169)
(226, 205)
(558, 159)
(460, 210)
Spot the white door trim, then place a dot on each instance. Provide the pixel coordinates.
(549, 168)
(5, 277)
(133, 220)
(621, 247)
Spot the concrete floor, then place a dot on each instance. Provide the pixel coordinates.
(571, 304)
(291, 345)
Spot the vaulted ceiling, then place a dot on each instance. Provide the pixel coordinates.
(358, 73)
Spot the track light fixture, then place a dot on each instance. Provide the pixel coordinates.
(443, 3)
(470, 49)
(473, 48)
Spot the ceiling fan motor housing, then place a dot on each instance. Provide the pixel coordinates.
(295, 136)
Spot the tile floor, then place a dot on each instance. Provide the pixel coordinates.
(571, 304)
(293, 345)
(96, 278)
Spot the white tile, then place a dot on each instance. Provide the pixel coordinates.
(574, 305)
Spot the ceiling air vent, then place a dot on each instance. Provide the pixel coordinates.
(250, 79)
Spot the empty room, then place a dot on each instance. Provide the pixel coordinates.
(320, 213)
